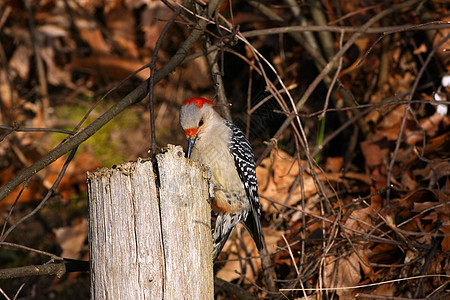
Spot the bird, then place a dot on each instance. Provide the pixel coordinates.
(224, 149)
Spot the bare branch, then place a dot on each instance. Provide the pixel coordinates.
(58, 269)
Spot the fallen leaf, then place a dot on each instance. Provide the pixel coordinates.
(121, 23)
(341, 272)
(71, 239)
(152, 26)
(276, 175)
(361, 220)
(372, 152)
(444, 199)
(421, 49)
(20, 61)
(408, 181)
(334, 164)
(446, 241)
(234, 267)
(430, 125)
(383, 290)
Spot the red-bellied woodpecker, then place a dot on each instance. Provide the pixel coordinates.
(221, 146)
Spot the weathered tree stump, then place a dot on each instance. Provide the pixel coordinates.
(147, 242)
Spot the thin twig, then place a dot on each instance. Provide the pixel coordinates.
(335, 77)
(51, 255)
(18, 291)
(25, 185)
(16, 128)
(373, 284)
(346, 29)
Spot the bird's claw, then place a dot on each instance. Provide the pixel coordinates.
(208, 171)
(211, 184)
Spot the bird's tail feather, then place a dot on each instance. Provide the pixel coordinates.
(253, 226)
(225, 225)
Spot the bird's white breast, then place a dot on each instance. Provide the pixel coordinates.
(212, 149)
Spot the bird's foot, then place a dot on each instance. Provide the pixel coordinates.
(212, 186)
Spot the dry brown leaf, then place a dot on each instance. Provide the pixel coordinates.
(444, 199)
(353, 63)
(285, 169)
(438, 170)
(440, 144)
(33, 191)
(430, 125)
(367, 270)
(73, 181)
(55, 75)
(401, 83)
(397, 83)
(7, 95)
(446, 241)
(276, 175)
(263, 176)
(112, 4)
(383, 91)
(361, 220)
(420, 195)
(197, 71)
(334, 164)
(376, 201)
(372, 152)
(20, 61)
(384, 290)
(408, 181)
(391, 131)
(422, 206)
(343, 272)
(71, 239)
(434, 171)
(75, 175)
(121, 23)
(94, 37)
(421, 49)
(151, 26)
(109, 66)
(233, 268)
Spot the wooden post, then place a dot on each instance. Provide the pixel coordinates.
(150, 244)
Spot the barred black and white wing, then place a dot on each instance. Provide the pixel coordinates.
(244, 161)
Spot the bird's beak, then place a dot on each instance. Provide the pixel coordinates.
(191, 142)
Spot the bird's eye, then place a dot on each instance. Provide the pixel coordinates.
(200, 123)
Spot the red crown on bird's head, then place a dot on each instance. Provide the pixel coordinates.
(198, 101)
